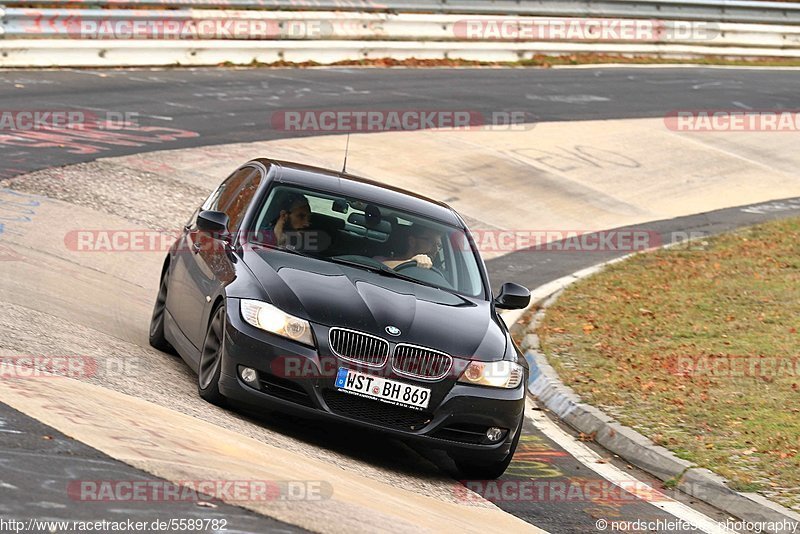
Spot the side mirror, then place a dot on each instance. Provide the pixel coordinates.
(213, 222)
(512, 297)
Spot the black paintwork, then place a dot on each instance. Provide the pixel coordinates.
(207, 270)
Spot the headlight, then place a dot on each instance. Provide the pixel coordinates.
(501, 374)
(268, 317)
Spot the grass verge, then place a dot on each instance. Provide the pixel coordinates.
(697, 349)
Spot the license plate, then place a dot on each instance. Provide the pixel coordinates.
(390, 391)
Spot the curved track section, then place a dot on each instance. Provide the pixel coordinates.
(141, 406)
(201, 107)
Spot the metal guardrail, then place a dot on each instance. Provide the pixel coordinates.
(132, 53)
(189, 24)
(745, 11)
(95, 35)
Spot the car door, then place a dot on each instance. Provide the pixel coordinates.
(204, 263)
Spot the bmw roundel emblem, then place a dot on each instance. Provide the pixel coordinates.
(392, 330)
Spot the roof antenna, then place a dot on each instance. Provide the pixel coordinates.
(346, 148)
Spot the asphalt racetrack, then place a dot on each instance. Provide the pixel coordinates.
(187, 108)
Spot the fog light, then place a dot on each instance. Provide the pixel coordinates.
(249, 375)
(494, 433)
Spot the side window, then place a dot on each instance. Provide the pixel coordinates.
(234, 195)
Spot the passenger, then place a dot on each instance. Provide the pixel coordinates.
(423, 245)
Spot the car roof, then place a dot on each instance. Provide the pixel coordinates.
(347, 184)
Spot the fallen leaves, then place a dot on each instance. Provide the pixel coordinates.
(624, 337)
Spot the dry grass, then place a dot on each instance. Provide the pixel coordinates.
(697, 349)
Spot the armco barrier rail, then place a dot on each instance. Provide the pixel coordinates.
(748, 11)
(100, 34)
(54, 53)
(188, 24)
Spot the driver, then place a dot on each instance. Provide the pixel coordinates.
(423, 244)
(295, 216)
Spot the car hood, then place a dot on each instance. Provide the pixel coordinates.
(339, 295)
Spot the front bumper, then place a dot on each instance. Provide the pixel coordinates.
(455, 421)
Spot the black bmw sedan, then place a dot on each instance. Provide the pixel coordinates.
(315, 292)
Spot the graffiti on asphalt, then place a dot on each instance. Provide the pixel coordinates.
(563, 159)
(88, 140)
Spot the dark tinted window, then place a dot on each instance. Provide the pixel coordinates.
(365, 234)
(234, 195)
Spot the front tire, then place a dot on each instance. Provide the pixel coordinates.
(474, 469)
(157, 337)
(210, 367)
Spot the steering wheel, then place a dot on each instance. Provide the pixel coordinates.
(413, 263)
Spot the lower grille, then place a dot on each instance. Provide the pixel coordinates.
(375, 411)
(284, 389)
(464, 433)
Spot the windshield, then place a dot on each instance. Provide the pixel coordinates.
(370, 236)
